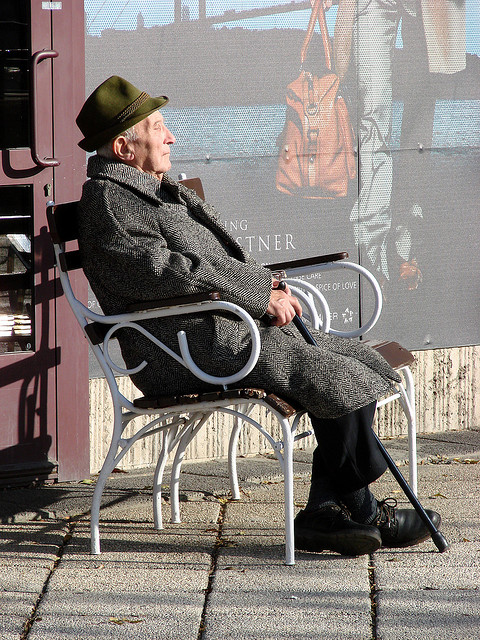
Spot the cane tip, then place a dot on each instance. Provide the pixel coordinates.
(440, 542)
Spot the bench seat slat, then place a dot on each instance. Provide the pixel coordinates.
(165, 402)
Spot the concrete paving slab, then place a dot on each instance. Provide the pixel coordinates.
(183, 545)
(28, 554)
(425, 594)
(148, 624)
(318, 598)
(18, 604)
(146, 584)
(444, 444)
(45, 502)
(256, 596)
(439, 481)
(11, 626)
(250, 538)
(440, 614)
(279, 616)
(27, 578)
(272, 491)
(252, 469)
(31, 540)
(140, 539)
(468, 438)
(134, 507)
(424, 568)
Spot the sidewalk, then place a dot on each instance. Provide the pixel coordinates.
(220, 574)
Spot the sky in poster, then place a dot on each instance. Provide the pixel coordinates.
(122, 14)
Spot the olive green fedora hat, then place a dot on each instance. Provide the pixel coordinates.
(114, 106)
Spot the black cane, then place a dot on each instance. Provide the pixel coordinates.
(437, 537)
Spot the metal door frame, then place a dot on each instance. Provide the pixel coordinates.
(44, 392)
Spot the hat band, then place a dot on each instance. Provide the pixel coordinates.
(131, 108)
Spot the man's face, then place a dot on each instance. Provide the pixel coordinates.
(152, 148)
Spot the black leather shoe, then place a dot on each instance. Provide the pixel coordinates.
(402, 527)
(331, 528)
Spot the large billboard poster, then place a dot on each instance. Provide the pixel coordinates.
(254, 108)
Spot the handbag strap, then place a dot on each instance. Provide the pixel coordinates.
(318, 12)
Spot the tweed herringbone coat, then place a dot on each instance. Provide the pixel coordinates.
(142, 239)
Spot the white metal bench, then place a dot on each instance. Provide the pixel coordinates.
(177, 420)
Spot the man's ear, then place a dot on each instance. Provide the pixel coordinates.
(122, 149)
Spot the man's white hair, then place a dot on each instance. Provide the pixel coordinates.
(106, 150)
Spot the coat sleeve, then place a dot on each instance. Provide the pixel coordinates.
(135, 259)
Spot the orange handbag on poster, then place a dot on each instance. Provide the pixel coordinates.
(316, 158)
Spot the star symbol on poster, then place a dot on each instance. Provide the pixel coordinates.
(347, 316)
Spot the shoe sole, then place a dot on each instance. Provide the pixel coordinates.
(407, 543)
(353, 544)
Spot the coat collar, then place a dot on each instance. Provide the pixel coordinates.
(106, 169)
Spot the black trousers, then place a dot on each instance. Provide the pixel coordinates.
(347, 452)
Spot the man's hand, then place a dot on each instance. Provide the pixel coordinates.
(283, 306)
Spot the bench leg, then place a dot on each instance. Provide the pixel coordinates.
(190, 432)
(287, 464)
(232, 456)
(412, 428)
(107, 468)
(157, 481)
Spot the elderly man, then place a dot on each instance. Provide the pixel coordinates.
(144, 236)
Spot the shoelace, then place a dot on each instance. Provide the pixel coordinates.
(386, 512)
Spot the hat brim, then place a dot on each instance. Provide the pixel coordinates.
(92, 143)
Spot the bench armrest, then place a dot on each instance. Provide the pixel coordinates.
(147, 305)
(315, 302)
(307, 262)
(101, 329)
